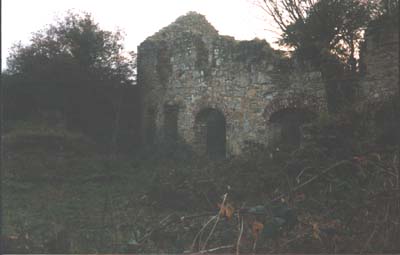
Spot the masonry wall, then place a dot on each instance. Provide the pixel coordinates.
(189, 66)
(380, 59)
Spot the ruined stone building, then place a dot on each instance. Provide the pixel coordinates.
(218, 94)
(380, 60)
(379, 84)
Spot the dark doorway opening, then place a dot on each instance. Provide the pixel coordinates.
(289, 121)
(211, 133)
(171, 123)
(387, 123)
(150, 126)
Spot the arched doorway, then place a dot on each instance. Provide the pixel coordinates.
(171, 113)
(287, 124)
(387, 122)
(210, 133)
(150, 126)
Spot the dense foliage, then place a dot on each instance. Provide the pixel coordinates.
(328, 34)
(319, 29)
(75, 44)
(338, 192)
(73, 70)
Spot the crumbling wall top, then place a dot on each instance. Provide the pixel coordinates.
(192, 23)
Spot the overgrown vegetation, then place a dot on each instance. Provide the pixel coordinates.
(78, 72)
(328, 35)
(337, 192)
(60, 194)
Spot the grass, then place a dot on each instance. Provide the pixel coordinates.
(61, 194)
(56, 188)
(91, 200)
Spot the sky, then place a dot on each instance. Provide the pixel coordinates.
(138, 19)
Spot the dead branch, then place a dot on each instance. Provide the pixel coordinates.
(326, 170)
(214, 249)
(240, 218)
(201, 231)
(159, 227)
(189, 217)
(216, 222)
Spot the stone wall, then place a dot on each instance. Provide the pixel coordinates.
(190, 67)
(380, 61)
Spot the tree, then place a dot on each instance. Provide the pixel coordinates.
(327, 34)
(76, 68)
(320, 29)
(78, 43)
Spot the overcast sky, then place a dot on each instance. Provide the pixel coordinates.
(139, 19)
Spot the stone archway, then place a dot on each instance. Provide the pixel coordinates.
(287, 123)
(210, 133)
(286, 116)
